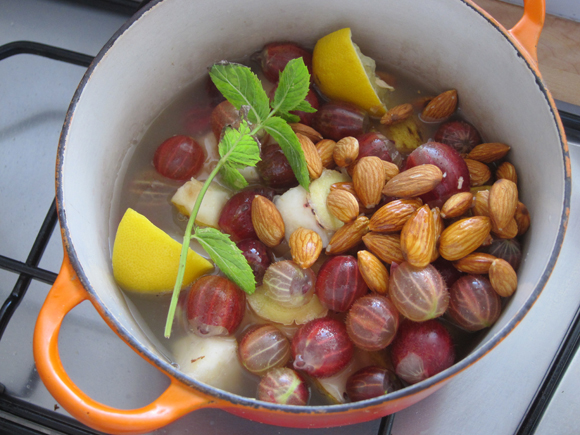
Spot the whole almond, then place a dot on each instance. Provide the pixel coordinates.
(267, 221)
(503, 277)
(343, 185)
(479, 173)
(373, 272)
(349, 187)
(438, 228)
(385, 246)
(307, 131)
(477, 263)
(463, 237)
(414, 181)
(420, 103)
(440, 107)
(503, 200)
(368, 179)
(481, 203)
(507, 170)
(305, 247)
(343, 205)
(508, 232)
(418, 237)
(348, 236)
(390, 170)
(393, 215)
(325, 149)
(346, 151)
(488, 152)
(313, 160)
(456, 205)
(488, 240)
(397, 114)
(522, 217)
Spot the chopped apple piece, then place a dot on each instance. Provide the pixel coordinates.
(297, 212)
(319, 190)
(211, 206)
(211, 360)
(269, 309)
(250, 173)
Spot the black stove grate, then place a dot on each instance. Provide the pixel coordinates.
(30, 270)
(19, 416)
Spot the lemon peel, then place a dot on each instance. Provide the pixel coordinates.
(343, 73)
(146, 259)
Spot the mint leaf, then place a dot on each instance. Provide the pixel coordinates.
(293, 86)
(227, 256)
(286, 138)
(289, 117)
(232, 177)
(238, 147)
(304, 106)
(241, 87)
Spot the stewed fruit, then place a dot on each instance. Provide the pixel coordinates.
(459, 135)
(473, 303)
(288, 284)
(372, 322)
(336, 120)
(214, 306)
(377, 144)
(421, 350)
(263, 348)
(418, 293)
(274, 168)
(283, 386)
(179, 158)
(321, 348)
(340, 283)
(257, 255)
(509, 250)
(370, 382)
(275, 56)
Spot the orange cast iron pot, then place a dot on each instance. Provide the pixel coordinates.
(165, 45)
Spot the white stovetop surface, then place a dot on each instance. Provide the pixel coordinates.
(489, 398)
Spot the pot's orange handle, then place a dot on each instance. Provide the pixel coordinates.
(67, 293)
(527, 31)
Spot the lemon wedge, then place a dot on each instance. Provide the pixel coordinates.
(146, 259)
(343, 73)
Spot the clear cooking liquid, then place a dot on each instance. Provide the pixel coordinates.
(149, 193)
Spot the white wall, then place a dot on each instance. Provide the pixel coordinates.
(563, 8)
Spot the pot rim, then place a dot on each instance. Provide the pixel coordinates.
(410, 390)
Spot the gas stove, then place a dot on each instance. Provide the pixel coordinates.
(526, 385)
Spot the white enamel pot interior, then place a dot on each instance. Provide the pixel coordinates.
(444, 43)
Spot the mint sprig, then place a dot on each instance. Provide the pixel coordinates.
(238, 148)
(227, 256)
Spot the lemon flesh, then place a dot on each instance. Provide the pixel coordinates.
(146, 259)
(343, 73)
